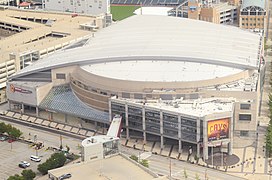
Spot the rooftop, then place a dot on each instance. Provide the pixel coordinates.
(151, 37)
(114, 168)
(37, 36)
(97, 140)
(198, 107)
(160, 71)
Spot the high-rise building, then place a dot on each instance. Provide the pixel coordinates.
(253, 15)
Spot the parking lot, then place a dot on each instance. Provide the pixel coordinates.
(11, 154)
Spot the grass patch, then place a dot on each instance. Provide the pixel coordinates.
(122, 12)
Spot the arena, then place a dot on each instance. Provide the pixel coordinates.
(168, 77)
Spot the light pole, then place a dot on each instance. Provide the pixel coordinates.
(170, 169)
(212, 156)
(61, 142)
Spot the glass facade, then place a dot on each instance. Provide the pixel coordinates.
(170, 122)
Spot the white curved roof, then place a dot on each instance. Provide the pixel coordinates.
(160, 71)
(146, 37)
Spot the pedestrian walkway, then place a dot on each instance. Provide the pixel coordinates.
(52, 124)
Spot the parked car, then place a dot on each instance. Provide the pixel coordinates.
(35, 158)
(65, 176)
(3, 138)
(11, 140)
(24, 164)
(21, 165)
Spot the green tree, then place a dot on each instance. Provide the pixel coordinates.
(15, 133)
(56, 160)
(28, 174)
(2, 128)
(268, 139)
(133, 157)
(43, 168)
(8, 129)
(16, 177)
(144, 162)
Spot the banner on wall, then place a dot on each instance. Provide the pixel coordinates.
(218, 129)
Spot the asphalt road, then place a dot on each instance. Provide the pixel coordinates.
(161, 166)
(158, 164)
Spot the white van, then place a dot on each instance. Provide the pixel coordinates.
(35, 158)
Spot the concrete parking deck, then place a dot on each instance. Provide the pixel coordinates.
(115, 168)
(62, 23)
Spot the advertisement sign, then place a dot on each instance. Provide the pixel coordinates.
(218, 129)
(21, 93)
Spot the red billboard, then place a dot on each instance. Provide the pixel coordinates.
(218, 129)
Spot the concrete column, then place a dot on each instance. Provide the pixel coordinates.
(23, 108)
(144, 125)
(161, 129)
(205, 139)
(66, 117)
(110, 112)
(37, 111)
(198, 136)
(95, 125)
(127, 129)
(230, 145)
(9, 105)
(179, 134)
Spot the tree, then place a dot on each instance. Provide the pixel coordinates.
(144, 162)
(133, 157)
(3, 128)
(268, 139)
(56, 160)
(43, 168)
(16, 177)
(8, 129)
(28, 174)
(14, 133)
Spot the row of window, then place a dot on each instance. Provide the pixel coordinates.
(259, 19)
(254, 24)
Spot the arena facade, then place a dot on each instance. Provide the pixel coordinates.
(172, 78)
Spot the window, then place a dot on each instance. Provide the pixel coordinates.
(245, 117)
(60, 76)
(244, 133)
(245, 106)
(243, 18)
(243, 24)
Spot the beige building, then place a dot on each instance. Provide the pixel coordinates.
(218, 13)
(27, 36)
(195, 60)
(253, 15)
